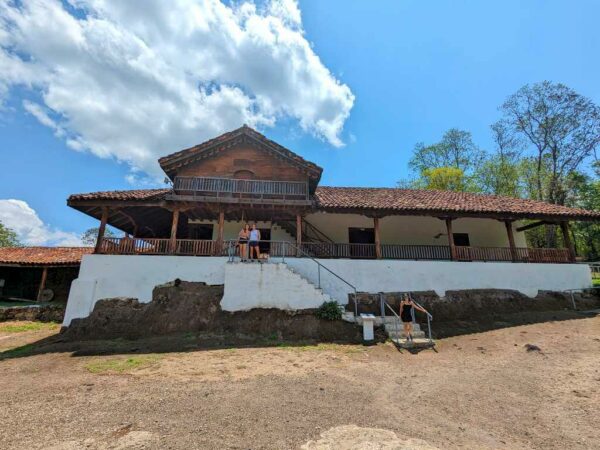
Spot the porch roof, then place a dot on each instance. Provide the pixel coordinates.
(443, 203)
(382, 201)
(43, 256)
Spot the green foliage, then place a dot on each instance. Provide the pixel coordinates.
(120, 365)
(329, 311)
(456, 149)
(561, 130)
(20, 327)
(8, 238)
(89, 236)
(444, 178)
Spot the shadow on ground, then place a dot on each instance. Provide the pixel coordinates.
(193, 342)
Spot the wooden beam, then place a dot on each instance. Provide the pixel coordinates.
(174, 224)
(42, 284)
(101, 229)
(511, 239)
(450, 239)
(532, 225)
(298, 233)
(564, 226)
(221, 231)
(377, 238)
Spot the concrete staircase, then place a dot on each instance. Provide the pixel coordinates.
(268, 285)
(396, 334)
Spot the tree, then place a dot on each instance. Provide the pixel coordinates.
(8, 238)
(444, 178)
(456, 149)
(562, 127)
(586, 194)
(89, 236)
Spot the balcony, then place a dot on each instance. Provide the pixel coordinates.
(230, 190)
(191, 247)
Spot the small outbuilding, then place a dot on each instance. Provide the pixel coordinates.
(39, 273)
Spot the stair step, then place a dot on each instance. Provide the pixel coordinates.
(415, 343)
(416, 334)
(392, 327)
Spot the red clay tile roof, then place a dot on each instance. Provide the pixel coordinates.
(168, 163)
(406, 200)
(43, 256)
(392, 200)
(137, 194)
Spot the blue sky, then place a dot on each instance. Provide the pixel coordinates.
(414, 69)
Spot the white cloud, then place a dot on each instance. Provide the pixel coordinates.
(31, 230)
(137, 80)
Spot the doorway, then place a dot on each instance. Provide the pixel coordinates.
(265, 235)
(362, 236)
(200, 231)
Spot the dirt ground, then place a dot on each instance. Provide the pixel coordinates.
(480, 391)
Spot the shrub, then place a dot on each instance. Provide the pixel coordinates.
(329, 311)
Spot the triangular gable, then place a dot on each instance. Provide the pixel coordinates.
(171, 164)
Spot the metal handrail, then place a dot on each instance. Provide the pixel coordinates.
(299, 251)
(396, 316)
(385, 304)
(572, 291)
(427, 314)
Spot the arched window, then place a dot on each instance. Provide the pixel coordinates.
(243, 175)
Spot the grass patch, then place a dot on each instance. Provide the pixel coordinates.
(121, 365)
(596, 282)
(20, 327)
(338, 348)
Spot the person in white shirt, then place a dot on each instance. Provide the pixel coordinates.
(253, 242)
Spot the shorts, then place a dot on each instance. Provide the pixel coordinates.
(253, 243)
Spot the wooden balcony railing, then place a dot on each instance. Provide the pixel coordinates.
(229, 187)
(193, 247)
(521, 254)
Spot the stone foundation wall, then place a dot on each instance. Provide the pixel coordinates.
(45, 313)
(478, 304)
(195, 307)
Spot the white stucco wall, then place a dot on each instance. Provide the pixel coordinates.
(418, 230)
(441, 276)
(272, 285)
(135, 276)
(250, 286)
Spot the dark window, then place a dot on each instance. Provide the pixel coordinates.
(461, 239)
(200, 231)
(265, 235)
(361, 236)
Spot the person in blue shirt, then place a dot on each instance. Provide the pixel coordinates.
(253, 242)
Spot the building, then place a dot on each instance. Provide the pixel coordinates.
(338, 238)
(39, 273)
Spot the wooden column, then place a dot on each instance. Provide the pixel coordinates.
(101, 229)
(511, 239)
(42, 284)
(220, 232)
(450, 239)
(377, 238)
(298, 234)
(564, 226)
(174, 224)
